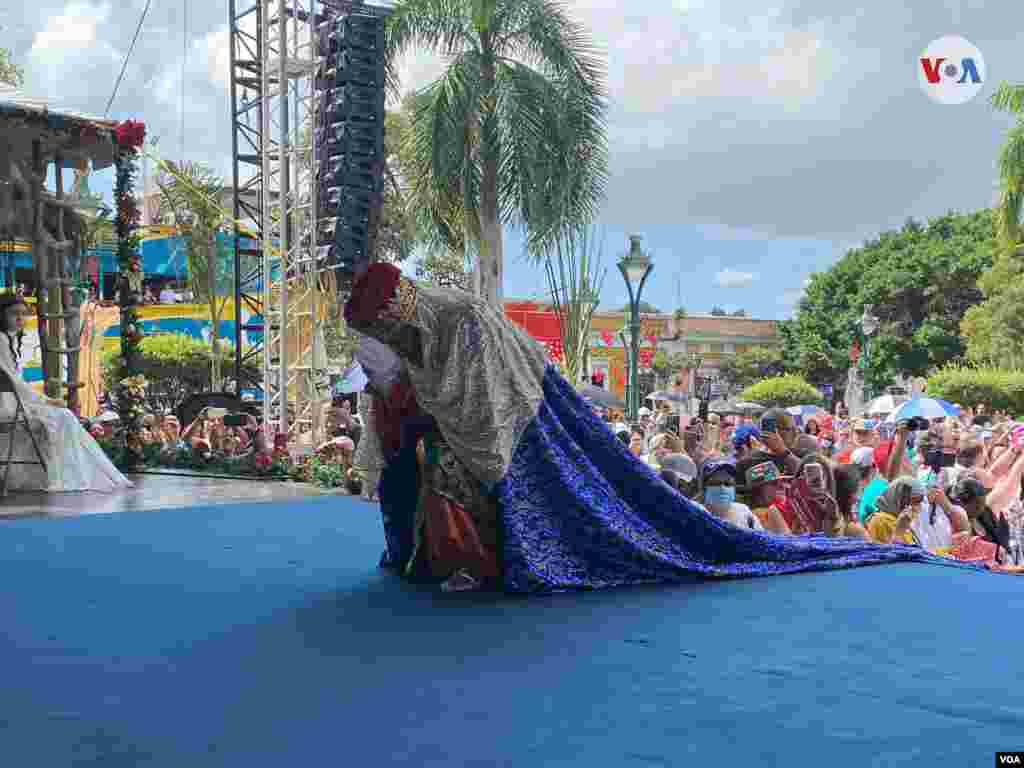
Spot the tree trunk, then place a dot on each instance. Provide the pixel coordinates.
(211, 287)
(491, 264)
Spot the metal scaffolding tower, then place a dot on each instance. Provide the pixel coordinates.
(307, 92)
(279, 304)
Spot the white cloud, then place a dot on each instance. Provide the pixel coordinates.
(731, 278)
(792, 298)
(75, 28)
(67, 50)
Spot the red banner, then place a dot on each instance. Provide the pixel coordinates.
(646, 358)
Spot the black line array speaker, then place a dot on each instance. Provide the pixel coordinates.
(350, 140)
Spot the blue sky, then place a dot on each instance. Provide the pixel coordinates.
(750, 143)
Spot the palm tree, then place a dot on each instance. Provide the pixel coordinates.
(514, 130)
(575, 276)
(190, 196)
(1010, 98)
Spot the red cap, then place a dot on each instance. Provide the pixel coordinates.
(372, 292)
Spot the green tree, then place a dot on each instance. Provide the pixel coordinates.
(644, 307)
(10, 72)
(992, 329)
(97, 228)
(515, 127)
(667, 364)
(396, 234)
(190, 197)
(921, 280)
(443, 268)
(781, 392)
(1010, 98)
(748, 367)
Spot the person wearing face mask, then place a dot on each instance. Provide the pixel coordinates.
(720, 496)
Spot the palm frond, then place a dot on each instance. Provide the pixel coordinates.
(1009, 97)
(1011, 181)
(554, 163)
(440, 151)
(442, 26)
(573, 264)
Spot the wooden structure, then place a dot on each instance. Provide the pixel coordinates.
(33, 137)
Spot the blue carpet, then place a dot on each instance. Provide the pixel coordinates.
(263, 635)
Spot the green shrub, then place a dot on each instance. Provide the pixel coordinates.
(782, 392)
(176, 365)
(999, 389)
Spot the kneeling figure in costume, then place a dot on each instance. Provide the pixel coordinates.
(497, 473)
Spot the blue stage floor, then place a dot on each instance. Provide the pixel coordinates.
(264, 635)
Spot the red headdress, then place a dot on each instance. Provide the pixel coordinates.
(371, 293)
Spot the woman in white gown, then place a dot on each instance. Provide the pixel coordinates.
(74, 461)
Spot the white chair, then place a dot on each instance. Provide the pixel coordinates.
(9, 426)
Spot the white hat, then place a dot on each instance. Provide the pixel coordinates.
(644, 412)
(863, 457)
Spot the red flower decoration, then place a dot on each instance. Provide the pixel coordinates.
(607, 338)
(131, 134)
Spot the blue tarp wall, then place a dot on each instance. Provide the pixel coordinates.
(161, 257)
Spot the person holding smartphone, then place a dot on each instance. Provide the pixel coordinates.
(895, 512)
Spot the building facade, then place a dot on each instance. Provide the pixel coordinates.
(712, 338)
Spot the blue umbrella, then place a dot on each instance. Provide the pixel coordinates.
(804, 412)
(923, 408)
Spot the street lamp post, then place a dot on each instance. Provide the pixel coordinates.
(635, 267)
(869, 326)
(694, 363)
(624, 338)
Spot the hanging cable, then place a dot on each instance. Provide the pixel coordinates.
(124, 64)
(184, 58)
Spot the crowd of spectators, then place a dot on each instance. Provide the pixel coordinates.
(952, 486)
(216, 436)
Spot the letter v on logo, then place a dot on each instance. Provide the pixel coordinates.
(931, 69)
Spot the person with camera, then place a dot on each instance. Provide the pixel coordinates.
(987, 539)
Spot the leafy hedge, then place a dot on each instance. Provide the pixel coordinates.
(176, 365)
(999, 389)
(782, 392)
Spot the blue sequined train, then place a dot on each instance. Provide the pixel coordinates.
(578, 511)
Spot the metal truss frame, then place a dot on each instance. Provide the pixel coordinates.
(274, 57)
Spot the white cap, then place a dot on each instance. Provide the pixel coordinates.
(863, 457)
(644, 412)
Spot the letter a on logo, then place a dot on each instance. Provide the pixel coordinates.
(969, 69)
(931, 69)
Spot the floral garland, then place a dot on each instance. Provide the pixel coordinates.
(129, 136)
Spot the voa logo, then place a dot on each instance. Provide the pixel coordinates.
(951, 70)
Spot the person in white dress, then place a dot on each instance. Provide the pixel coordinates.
(74, 460)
